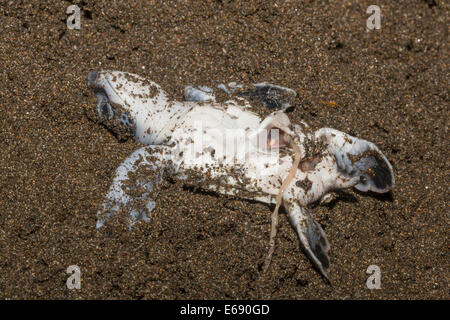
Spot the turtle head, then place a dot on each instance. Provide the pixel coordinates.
(128, 103)
(112, 107)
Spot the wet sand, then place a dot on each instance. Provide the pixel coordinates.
(388, 86)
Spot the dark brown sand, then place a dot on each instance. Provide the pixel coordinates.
(389, 86)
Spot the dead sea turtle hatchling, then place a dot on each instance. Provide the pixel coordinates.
(227, 148)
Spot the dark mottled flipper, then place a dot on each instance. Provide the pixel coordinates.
(374, 172)
(318, 242)
(199, 94)
(358, 158)
(312, 237)
(272, 96)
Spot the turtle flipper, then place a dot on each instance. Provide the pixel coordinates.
(136, 185)
(199, 94)
(207, 94)
(271, 95)
(358, 158)
(311, 236)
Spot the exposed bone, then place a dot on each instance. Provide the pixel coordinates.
(287, 181)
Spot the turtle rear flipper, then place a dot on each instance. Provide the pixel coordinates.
(312, 237)
(357, 157)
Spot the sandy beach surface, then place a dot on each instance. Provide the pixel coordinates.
(389, 86)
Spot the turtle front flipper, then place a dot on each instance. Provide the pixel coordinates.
(358, 158)
(311, 236)
(270, 95)
(136, 185)
(207, 94)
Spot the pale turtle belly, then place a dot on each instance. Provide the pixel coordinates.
(221, 144)
(210, 135)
